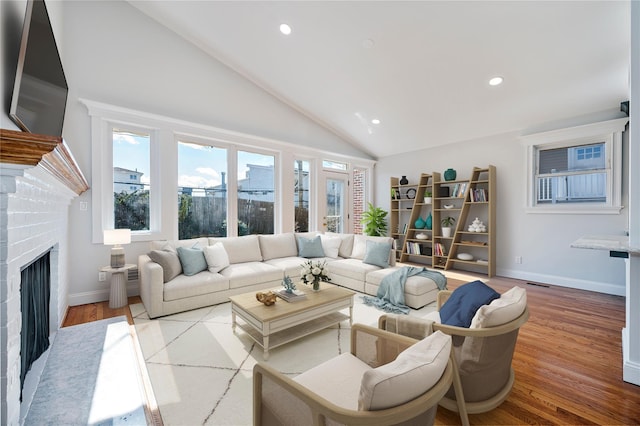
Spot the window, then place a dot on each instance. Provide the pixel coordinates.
(131, 153)
(576, 170)
(334, 165)
(202, 191)
(256, 193)
(301, 195)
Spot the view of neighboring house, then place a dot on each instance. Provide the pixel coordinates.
(127, 181)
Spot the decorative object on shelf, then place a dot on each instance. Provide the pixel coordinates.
(428, 223)
(421, 236)
(477, 226)
(288, 284)
(314, 272)
(268, 298)
(450, 174)
(394, 194)
(419, 223)
(427, 197)
(448, 206)
(465, 256)
(404, 180)
(411, 193)
(447, 223)
(374, 220)
(115, 238)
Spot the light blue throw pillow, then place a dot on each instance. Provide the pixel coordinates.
(310, 247)
(377, 254)
(192, 260)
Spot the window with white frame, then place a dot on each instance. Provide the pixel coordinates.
(301, 194)
(576, 170)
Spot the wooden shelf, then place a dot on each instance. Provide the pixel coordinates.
(51, 152)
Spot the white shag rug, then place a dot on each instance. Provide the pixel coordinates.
(201, 372)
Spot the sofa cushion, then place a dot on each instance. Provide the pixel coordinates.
(464, 301)
(199, 284)
(250, 273)
(416, 370)
(377, 253)
(241, 249)
(216, 257)
(509, 306)
(352, 268)
(192, 260)
(331, 245)
(278, 245)
(169, 261)
(289, 265)
(360, 244)
(346, 246)
(310, 247)
(337, 380)
(416, 284)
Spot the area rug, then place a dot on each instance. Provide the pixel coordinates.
(91, 378)
(201, 372)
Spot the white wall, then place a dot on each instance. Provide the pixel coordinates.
(543, 240)
(115, 54)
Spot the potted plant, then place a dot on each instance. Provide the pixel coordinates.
(374, 221)
(447, 223)
(427, 197)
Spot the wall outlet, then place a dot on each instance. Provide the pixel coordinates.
(102, 276)
(518, 259)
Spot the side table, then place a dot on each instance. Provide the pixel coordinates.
(118, 294)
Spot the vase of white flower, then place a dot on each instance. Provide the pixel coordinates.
(314, 272)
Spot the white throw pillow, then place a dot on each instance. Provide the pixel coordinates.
(346, 247)
(331, 245)
(360, 244)
(509, 306)
(413, 372)
(241, 249)
(216, 257)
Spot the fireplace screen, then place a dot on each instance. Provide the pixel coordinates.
(35, 289)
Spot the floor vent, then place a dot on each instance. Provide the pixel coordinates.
(529, 283)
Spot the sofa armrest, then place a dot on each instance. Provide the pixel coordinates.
(151, 285)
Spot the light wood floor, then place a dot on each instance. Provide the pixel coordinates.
(568, 359)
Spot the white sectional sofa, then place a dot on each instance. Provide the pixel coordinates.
(173, 277)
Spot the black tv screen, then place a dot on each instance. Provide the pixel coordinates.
(40, 89)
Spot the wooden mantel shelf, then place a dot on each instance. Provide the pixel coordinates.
(29, 149)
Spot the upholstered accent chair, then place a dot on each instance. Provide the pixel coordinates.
(483, 352)
(385, 379)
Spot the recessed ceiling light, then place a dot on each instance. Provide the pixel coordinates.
(375, 121)
(495, 81)
(285, 29)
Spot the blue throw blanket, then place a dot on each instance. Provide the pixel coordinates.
(390, 295)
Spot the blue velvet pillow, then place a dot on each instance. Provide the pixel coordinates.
(310, 247)
(192, 260)
(463, 303)
(377, 254)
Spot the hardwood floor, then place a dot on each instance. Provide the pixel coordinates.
(568, 359)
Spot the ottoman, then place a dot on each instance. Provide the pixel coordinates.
(418, 290)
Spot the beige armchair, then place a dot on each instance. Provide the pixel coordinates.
(337, 391)
(483, 354)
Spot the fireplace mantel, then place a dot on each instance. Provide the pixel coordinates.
(51, 152)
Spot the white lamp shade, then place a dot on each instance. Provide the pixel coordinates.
(114, 237)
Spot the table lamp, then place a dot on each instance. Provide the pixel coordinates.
(116, 237)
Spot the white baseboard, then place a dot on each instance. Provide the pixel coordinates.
(630, 369)
(75, 299)
(600, 287)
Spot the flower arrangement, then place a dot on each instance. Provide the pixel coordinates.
(312, 273)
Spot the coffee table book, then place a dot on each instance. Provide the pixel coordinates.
(296, 296)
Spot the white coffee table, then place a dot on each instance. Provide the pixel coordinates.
(283, 322)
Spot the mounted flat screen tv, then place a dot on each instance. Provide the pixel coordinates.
(40, 89)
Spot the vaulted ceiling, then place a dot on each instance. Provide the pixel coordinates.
(420, 67)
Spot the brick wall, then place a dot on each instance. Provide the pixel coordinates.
(34, 214)
(358, 194)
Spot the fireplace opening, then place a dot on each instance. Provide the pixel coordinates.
(35, 293)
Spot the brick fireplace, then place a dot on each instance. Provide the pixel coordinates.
(34, 218)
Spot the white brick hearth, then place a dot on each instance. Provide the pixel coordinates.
(34, 218)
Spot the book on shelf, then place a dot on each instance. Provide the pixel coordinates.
(478, 195)
(438, 250)
(296, 296)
